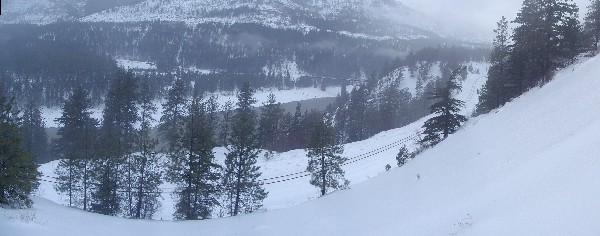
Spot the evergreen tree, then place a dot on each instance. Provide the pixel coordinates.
(243, 192)
(447, 119)
(112, 169)
(146, 170)
(195, 174)
(495, 92)
(325, 159)
(172, 120)
(403, 156)
(225, 128)
(391, 103)
(545, 33)
(77, 132)
(295, 130)
(357, 115)
(212, 111)
(33, 132)
(309, 120)
(284, 128)
(269, 124)
(592, 23)
(18, 173)
(571, 34)
(341, 115)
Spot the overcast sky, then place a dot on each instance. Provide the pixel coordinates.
(479, 16)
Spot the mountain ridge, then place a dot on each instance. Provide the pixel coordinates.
(376, 18)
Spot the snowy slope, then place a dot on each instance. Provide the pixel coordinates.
(529, 168)
(38, 11)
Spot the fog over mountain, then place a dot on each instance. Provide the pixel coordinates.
(477, 17)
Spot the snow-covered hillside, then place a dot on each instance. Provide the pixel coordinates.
(528, 168)
(38, 11)
(370, 19)
(286, 14)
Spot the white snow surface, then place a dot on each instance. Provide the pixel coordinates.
(139, 65)
(527, 168)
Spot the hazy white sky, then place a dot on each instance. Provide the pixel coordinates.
(474, 15)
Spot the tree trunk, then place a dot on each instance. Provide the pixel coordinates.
(85, 184)
(71, 182)
(129, 187)
(190, 170)
(323, 174)
(238, 186)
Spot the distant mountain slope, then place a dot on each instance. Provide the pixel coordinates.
(374, 18)
(49, 11)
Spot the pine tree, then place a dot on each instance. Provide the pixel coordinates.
(146, 170)
(295, 130)
(592, 23)
(18, 173)
(196, 174)
(341, 115)
(243, 192)
(391, 103)
(77, 133)
(212, 111)
(447, 119)
(225, 128)
(546, 32)
(571, 41)
(309, 120)
(357, 115)
(403, 156)
(33, 132)
(172, 120)
(112, 169)
(269, 124)
(281, 144)
(325, 159)
(495, 92)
